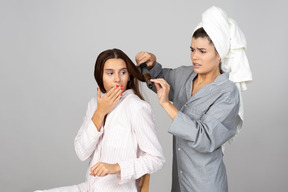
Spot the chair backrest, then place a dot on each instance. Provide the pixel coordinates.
(144, 183)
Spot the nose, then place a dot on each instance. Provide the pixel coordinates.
(116, 78)
(194, 56)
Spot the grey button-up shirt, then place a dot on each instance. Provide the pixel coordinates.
(205, 121)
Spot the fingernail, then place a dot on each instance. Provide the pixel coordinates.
(97, 89)
(120, 94)
(121, 88)
(117, 85)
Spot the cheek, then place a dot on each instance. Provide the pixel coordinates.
(106, 82)
(125, 81)
(212, 60)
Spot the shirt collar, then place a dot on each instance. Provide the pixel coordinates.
(221, 78)
(127, 92)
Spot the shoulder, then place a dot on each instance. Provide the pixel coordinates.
(184, 69)
(226, 88)
(182, 73)
(135, 104)
(92, 103)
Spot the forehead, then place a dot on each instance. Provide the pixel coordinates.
(201, 42)
(115, 64)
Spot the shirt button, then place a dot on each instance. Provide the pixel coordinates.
(179, 149)
(181, 172)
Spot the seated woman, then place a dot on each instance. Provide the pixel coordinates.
(118, 133)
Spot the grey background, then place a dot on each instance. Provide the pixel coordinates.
(48, 49)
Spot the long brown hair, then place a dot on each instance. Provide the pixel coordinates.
(134, 72)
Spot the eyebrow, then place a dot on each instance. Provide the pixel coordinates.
(114, 69)
(198, 48)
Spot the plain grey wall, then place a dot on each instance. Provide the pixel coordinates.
(48, 49)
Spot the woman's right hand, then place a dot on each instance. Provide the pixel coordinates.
(149, 58)
(105, 104)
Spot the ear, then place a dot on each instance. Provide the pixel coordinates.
(218, 57)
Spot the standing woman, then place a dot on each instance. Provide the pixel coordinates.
(118, 134)
(207, 107)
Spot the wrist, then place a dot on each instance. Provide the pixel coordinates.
(117, 168)
(171, 110)
(98, 119)
(99, 114)
(166, 104)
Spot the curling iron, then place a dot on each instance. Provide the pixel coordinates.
(145, 72)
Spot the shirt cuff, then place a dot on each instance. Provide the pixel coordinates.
(154, 72)
(180, 121)
(92, 130)
(125, 174)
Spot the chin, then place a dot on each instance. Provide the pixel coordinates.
(197, 70)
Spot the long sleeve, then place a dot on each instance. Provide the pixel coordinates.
(207, 132)
(171, 76)
(151, 156)
(88, 136)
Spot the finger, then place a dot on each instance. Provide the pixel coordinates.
(116, 94)
(162, 83)
(104, 172)
(144, 57)
(110, 92)
(99, 172)
(93, 168)
(139, 55)
(98, 93)
(97, 168)
(159, 81)
(117, 99)
(157, 86)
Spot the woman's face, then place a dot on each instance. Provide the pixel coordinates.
(115, 73)
(204, 57)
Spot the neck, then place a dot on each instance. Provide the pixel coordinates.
(206, 78)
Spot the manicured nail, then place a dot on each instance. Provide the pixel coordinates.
(121, 88)
(117, 85)
(120, 94)
(97, 89)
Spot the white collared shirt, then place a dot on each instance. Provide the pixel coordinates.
(127, 138)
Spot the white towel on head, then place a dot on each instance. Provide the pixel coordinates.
(230, 43)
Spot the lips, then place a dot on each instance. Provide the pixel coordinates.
(196, 65)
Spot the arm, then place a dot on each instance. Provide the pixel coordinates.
(214, 128)
(92, 127)
(163, 89)
(151, 156)
(156, 70)
(88, 135)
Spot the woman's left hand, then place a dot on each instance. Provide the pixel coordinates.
(163, 91)
(101, 169)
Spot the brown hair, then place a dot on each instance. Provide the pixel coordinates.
(202, 33)
(134, 72)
